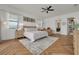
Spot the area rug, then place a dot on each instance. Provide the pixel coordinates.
(38, 46)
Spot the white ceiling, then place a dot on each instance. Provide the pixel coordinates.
(35, 9)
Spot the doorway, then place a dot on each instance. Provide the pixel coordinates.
(70, 25)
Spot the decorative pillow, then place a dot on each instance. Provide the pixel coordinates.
(30, 29)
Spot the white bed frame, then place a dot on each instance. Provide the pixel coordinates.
(35, 35)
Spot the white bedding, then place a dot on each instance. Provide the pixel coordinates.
(34, 35)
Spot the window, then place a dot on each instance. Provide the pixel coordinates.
(12, 24)
(12, 21)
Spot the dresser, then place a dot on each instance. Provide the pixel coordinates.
(76, 42)
(0, 29)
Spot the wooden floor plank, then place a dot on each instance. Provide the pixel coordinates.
(64, 46)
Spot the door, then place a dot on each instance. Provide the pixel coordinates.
(64, 26)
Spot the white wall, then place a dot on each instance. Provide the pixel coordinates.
(5, 32)
(51, 22)
(39, 23)
(3, 27)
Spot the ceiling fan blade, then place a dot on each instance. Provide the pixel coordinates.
(43, 8)
(46, 11)
(49, 7)
(51, 10)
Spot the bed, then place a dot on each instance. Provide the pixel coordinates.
(35, 35)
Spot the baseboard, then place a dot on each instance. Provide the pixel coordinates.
(11, 39)
(20, 37)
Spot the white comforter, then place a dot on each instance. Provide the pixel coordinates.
(34, 35)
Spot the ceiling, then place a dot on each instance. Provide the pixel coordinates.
(35, 9)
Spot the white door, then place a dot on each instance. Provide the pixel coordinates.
(64, 26)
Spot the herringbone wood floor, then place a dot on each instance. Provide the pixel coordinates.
(64, 46)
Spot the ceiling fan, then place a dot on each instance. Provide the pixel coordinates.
(49, 8)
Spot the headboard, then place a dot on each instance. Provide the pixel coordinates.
(30, 28)
(29, 24)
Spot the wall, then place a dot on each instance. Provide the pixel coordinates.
(3, 27)
(39, 23)
(51, 22)
(5, 32)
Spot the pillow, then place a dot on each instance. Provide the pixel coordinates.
(30, 29)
